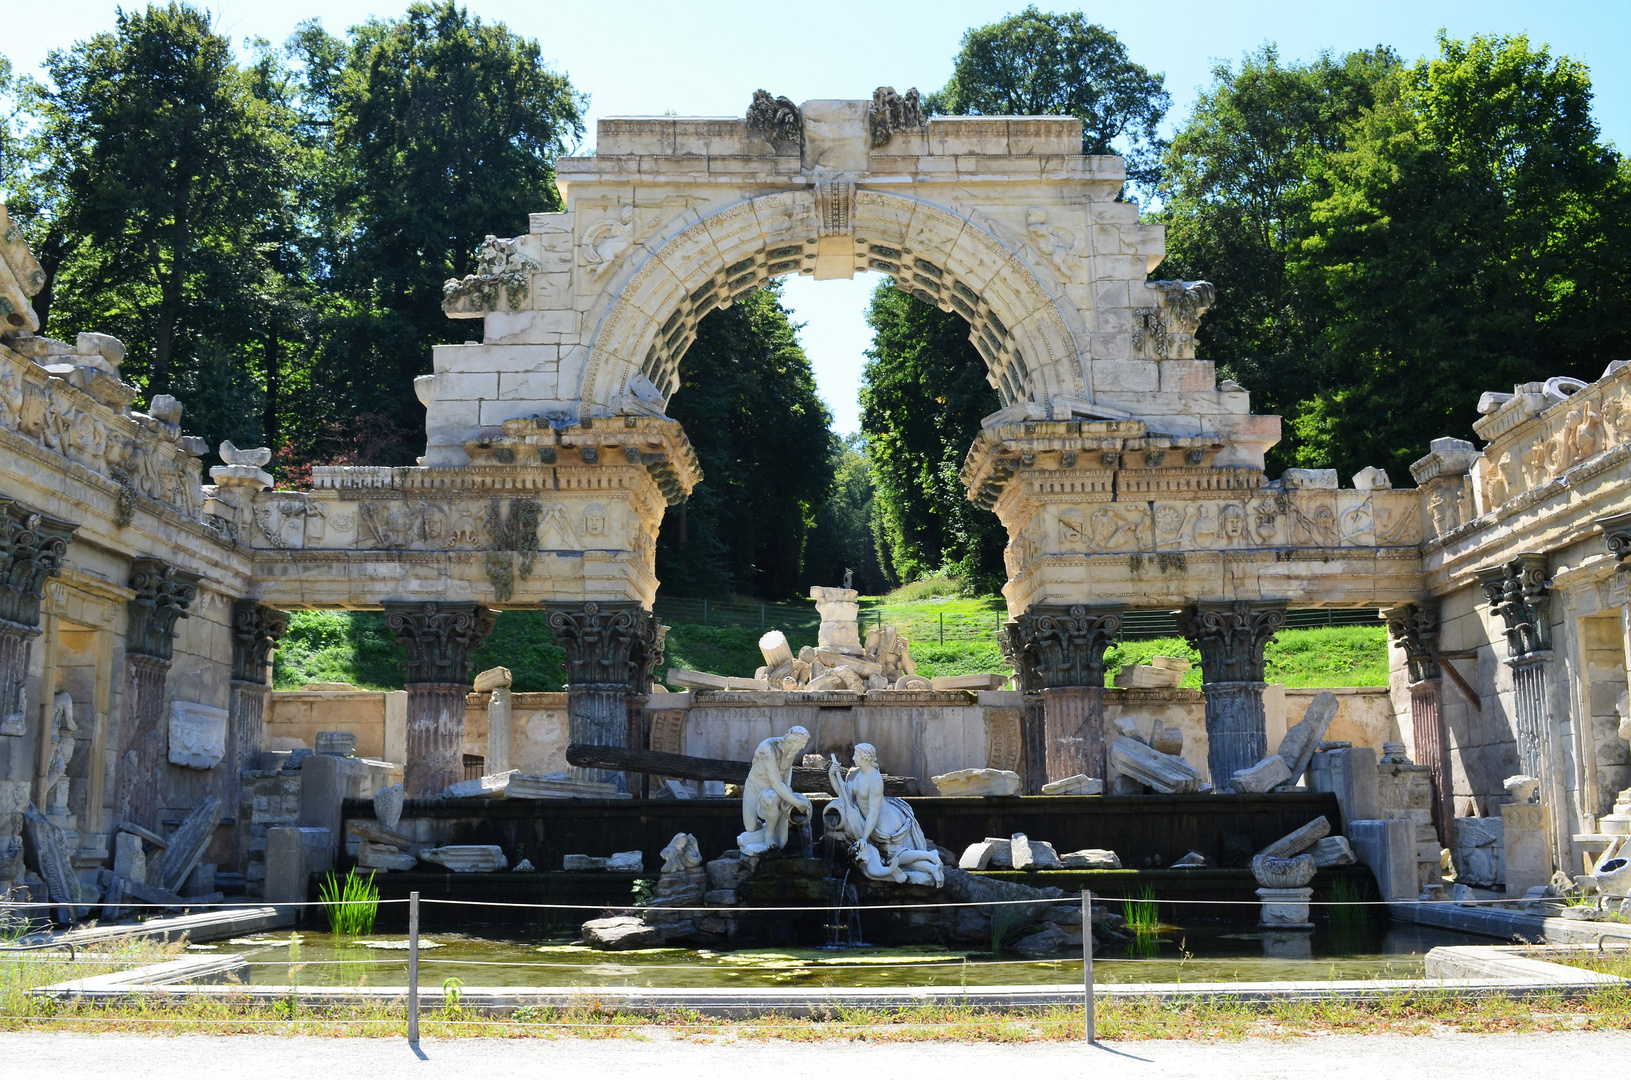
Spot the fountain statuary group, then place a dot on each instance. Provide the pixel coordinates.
(880, 833)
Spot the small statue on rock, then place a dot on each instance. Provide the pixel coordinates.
(882, 833)
(768, 799)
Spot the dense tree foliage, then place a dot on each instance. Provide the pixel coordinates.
(748, 402)
(1036, 64)
(1392, 239)
(843, 536)
(924, 395)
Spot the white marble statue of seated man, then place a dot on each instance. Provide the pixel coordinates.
(885, 839)
(768, 798)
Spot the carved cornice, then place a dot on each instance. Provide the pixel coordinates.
(1061, 646)
(1517, 591)
(256, 630)
(1414, 629)
(163, 595)
(609, 644)
(440, 638)
(31, 549)
(1230, 637)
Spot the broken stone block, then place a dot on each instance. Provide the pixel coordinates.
(337, 743)
(1167, 739)
(1080, 784)
(1298, 746)
(388, 805)
(1193, 860)
(582, 863)
(467, 858)
(1002, 853)
(1301, 840)
(494, 786)
(1479, 844)
(1043, 857)
(967, 782)
(1332, 851)
(372, 856)
(1019, 846)
(1163, 772)
(730, 871)
(492, 679)
(975, 857)
(626, 862)
(1266, 775)
(1091, 859)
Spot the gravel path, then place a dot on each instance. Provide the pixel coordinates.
(1336, 1057)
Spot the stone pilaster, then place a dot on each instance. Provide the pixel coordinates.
(611, 651)
(256, 630)
(440, 639)
(1230, 638)
(1059, 652)
(1033, 721)
(1518, 591)
(1414, 630)
(163, 595)
(31, 550)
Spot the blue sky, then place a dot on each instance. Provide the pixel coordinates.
(637, 56)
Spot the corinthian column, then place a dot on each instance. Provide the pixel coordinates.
(1414, 629)
(256, 630)
(31, 550)
(1060, 651)
(440, 640)
(163, 595)
(611, 650)
(1230, 638)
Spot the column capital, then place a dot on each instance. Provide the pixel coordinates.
(1414, 629)
(609, 644)
(256, 630)
(1518, 591)
(163, 595)
(1061, 645)
(1230, 637)
(1616, 530)
(32, 547)
(440, 638)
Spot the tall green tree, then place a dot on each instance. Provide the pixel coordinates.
(843, 538)
(1477, 234)
(437, 130)
(158, 175)
(1240, 181)
(1045, 64)
(924, 392)
(748, 401)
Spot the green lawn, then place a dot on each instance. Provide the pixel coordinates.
(355, 647)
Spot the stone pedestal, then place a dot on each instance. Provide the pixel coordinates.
(1230, 638)
(440, 640)
(1285, 909)
(611, 651)
(1526, 846)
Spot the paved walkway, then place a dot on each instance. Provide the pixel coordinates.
(1337, 1057)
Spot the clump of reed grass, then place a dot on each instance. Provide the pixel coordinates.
(1143, 915)
(351, 904)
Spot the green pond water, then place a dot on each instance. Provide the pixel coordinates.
(1381, 951)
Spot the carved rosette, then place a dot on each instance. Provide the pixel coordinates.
(1060, 646)
(1517, 591)
(163, 595)
(1230, 638)
(256, 630)
(1616, 531)
(1414, 629)
(440, 638)
(609, 644)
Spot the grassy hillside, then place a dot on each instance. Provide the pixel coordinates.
(949, 635)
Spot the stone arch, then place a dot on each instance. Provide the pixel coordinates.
(937, 255)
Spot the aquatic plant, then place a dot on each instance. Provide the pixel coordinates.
(1003, 921)
(1143, 915)
(351, 903)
